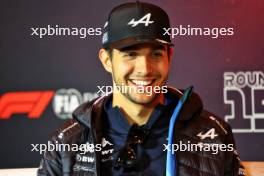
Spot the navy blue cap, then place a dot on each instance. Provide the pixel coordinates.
(133, 23)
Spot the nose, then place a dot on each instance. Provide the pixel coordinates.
(143, 65)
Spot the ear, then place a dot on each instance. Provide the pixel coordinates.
(105, 60)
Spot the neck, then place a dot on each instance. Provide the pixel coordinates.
(134, 112)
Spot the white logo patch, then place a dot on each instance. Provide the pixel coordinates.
(210, 133)
(107, 150)
(144, 20)
(105, 142)
(83, 158)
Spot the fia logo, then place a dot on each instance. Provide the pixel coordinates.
(144, 20)
(210, 133)
(65, 101)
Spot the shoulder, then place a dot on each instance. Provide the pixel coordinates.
(216, 120)
(194, 114)
(77, 128)
(210, 121)
(73, 130)
(70, 131)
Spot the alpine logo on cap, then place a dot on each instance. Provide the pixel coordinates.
(144, 20)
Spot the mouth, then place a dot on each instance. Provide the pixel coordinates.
(140, 82)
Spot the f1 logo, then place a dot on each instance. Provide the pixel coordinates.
(32, 103)
(144, 20)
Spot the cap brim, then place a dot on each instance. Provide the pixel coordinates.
(136, 40)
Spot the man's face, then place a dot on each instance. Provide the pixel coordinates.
(140, 67)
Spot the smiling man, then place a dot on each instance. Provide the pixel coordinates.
(143, 127)
(139, 74)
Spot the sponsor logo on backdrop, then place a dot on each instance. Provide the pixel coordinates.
(34, 103)
(244, 99)
(31, 103)
(65, 101)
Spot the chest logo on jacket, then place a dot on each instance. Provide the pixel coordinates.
(209, 134)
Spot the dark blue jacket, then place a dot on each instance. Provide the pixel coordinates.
(194, 125)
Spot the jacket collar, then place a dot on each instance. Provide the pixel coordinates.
(191, 108)
(90, 114)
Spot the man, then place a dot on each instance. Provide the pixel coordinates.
(142, 127)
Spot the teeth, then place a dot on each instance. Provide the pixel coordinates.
(141, 83)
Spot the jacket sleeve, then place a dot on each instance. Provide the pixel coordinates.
(233, 165)
(50, 164)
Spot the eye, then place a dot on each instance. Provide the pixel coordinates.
(158, 53)
(131, 54)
